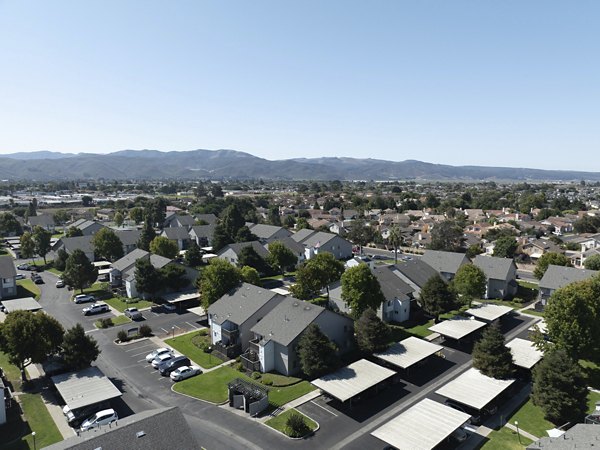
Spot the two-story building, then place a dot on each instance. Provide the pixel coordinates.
(8, 280)
(500, 274)
(315, 242)
(445, 263)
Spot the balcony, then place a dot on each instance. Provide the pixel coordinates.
(250, 361)
(253, 345)
(226, 351)
(230, 336)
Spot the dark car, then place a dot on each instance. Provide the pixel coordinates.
(169, 366)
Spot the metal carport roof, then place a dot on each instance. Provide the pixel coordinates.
(457, 327)
(351, 380)
(181, 296)
(408, 352)
(421, 427)
(474, 389)
(488, 311)
(86, 387)
(525, 353)
(25, 303)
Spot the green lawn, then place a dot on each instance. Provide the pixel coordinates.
(12, 372)
(279, 396)
(533, 312)
(279, 421)
(120, 304)
(505, 439)
(27, 288)
(184, 345)
(593, 397)
(56, 272)
(118, 320)
(592, 370)
(528, 285)
(279, 380)
(531, 419)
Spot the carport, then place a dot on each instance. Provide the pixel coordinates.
(86, 387)
(351, 381)
(409, 352)
(457, 328)
(488, 312)
(421, 427)
(179, 297)
(525, 353)
(25, 303)
(474, 389)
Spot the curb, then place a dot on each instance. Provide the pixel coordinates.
(196, 398)
(294, 438)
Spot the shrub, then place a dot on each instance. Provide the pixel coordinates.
(267, 382)
(256, 375)
(203, 332)
(296, 426)
(105, 323)
(122, 336)
(145, 331)
(240, 367)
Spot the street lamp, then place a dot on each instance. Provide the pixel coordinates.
(173, 329)
(210, 349)
(33, 434)
(518, 434)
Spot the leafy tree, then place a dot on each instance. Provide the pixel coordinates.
(250, 275)
(592, 262)
(587, 224)
(157, 211)
(244, 235)
(281, 257)
(218, 278)
(505, 247)
(79, 349)
(547, 259)
(249, 257)
(107, 245)
(193, 255)
(136, 214)
(60, 260)
(87, 200)
(361, 289)
(560, 388)
(163, 246)
(289, 221)
(491, 355)
(32, 208)
(470, 283)
(147, 236)
(473, 251)
(79, 271)
(29, 337)
(174, 276)
(302, 223)
(273, 216)
(119, 219)
(315, 274)
(317, 354)
(232, 220)
(148, 279)
(27, 245)
(220, 238)
(60, 217)
(73, 232)
(361, 234)
(447, 236)
(9, 225)
(395, 239)
(41, 239)
(436, 297)
(372, 335)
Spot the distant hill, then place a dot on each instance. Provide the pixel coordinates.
(231, 164)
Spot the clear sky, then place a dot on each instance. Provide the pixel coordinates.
(480, 82)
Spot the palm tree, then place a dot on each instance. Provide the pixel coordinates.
(395, 238)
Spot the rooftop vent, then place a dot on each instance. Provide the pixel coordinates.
(295, 304)
(140, 434)
(307, 308)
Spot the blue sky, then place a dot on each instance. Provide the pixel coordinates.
(508, 83)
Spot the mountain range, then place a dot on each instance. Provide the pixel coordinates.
(231, 164)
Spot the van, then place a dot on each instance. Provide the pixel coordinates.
(175, 363)
(104, 417)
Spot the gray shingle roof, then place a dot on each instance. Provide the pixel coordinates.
(447, 262)
(263, 231)
(292, 245)
(302, 234)
(201, 231)
(581, 437)
(129, 260)
(176, 233)
(210, 219)
(7, 267)
(185, 221)
(559, 276)
(318, 238)
(241, 303)
(287, 321)
(494, 268)
(164, 428)
(83, 243)
(417, 271)
(391, 284)
(41, 220)
(238, 246)
(129, 237)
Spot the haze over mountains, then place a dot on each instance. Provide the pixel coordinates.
(231, 164)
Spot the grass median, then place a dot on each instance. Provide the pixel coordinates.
(280, 422)
(186, 345)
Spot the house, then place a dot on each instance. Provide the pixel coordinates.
(87, 227)
(46, 221)
(319, 241)
(295, 247)
(69, 244)
(232, 252)
(180, 235)
(582, 436)
(8, 280)
(415, 273)
(535, 248)
(501, 276)
(177, 220)
(202, 234)
(560, 224)
(556, 277)
(209, 219)
(232, 316)
(268, 233)
(129, 239)
(276, 336)
(445, 263)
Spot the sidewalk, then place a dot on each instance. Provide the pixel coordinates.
(293, 404)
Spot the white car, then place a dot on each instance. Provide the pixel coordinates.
(159, 351)
(161, 359)
(103, 417)
(60, 283)
(82, 298)
(133, 314)
(96, 308)
(185, 372)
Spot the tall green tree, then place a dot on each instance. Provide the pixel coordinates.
(9, 225)
(592, 262)
(315, 274)
(317, 354)
(28, 337)
(148, 280)
(79, 271)
(560, 388)
(119, 219)
(41, 239)
(436, 297)
(244, 235)
(361, 234)
(60, 260)
(232, 220)
(218, 278)
(281, 257)
(491, 356)
(395, 239)
(136, 214)
(302, 223)
(193, 255)
(157, 211)
(249, 257)
(250, 275)
(550, 258)
(220, 238)
(446, 236)
(505, 247)
(147, 236)
(372, 335)
(469, 283)
(174, 276)
(27, 245)
(361, 290)
(73, 232)
(163, 246)
(107, 245)
(79, 349)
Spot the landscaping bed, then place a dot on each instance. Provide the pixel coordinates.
(114, 321)
(280, 423)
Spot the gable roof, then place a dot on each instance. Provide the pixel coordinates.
(129, 237)
(7, 267)
(417, 271)
(556, 277)
(185, 221)
(391, 284)
(201, 231)
(295, 247)
(83, 243)
(129, 260)
(302, 234)
(447, 262)
(176, 233)
(318, 238)
(41, 220)
(239, 304)
(210, 219)
(494, 268)
(264, 231)
(82, 224)
(237, 247)
(287, 320)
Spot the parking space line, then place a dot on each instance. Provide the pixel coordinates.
(163, 329)
(177, 327)
(156, 314)
(142, 360)
(138, 354)
(193, 326)
(322, 407)
(137, 348)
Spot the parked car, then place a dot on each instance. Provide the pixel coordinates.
(133, 314)
(23, 267)
(169, 307)
(103, 277)
(38, 280)
(19, 276)
(37, 268)
(159, 351)
(83, 298)
(77, 416)
(104, 417)
(96, 308)
(60, 283)
(475, 415)
(459, 435)
(184, 372)
(161, 359)
(166, 367)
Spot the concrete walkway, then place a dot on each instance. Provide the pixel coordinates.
(522, 432)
